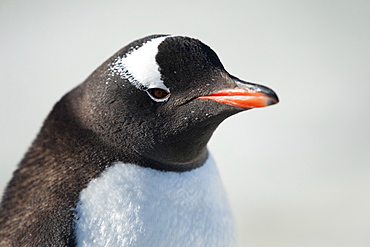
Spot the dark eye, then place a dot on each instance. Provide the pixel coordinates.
(159, 93)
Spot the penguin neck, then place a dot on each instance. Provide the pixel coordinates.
(175, 166)
(182, 151)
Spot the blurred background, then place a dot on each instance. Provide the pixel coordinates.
(297, 173)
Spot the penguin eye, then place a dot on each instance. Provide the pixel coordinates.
(158, 93)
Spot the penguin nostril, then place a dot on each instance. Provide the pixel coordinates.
(159, 93)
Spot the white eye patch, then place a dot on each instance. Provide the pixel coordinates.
(140, 68)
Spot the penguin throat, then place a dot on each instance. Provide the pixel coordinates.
(175, 166)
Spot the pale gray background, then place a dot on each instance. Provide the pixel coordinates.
(298, 173)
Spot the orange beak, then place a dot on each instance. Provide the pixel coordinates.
(246, 95)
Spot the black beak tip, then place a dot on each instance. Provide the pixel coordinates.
(273, 98)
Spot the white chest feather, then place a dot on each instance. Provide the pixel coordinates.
(133, 206)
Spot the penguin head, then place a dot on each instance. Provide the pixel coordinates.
(157, 101)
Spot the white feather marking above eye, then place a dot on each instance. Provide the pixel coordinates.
(140, 67)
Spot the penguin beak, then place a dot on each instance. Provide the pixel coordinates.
(246, 95)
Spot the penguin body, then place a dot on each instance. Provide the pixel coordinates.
(121, 160)
(161, 208)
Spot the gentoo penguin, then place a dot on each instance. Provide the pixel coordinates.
(121, 160)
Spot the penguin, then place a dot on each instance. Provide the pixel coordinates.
(122, 159)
